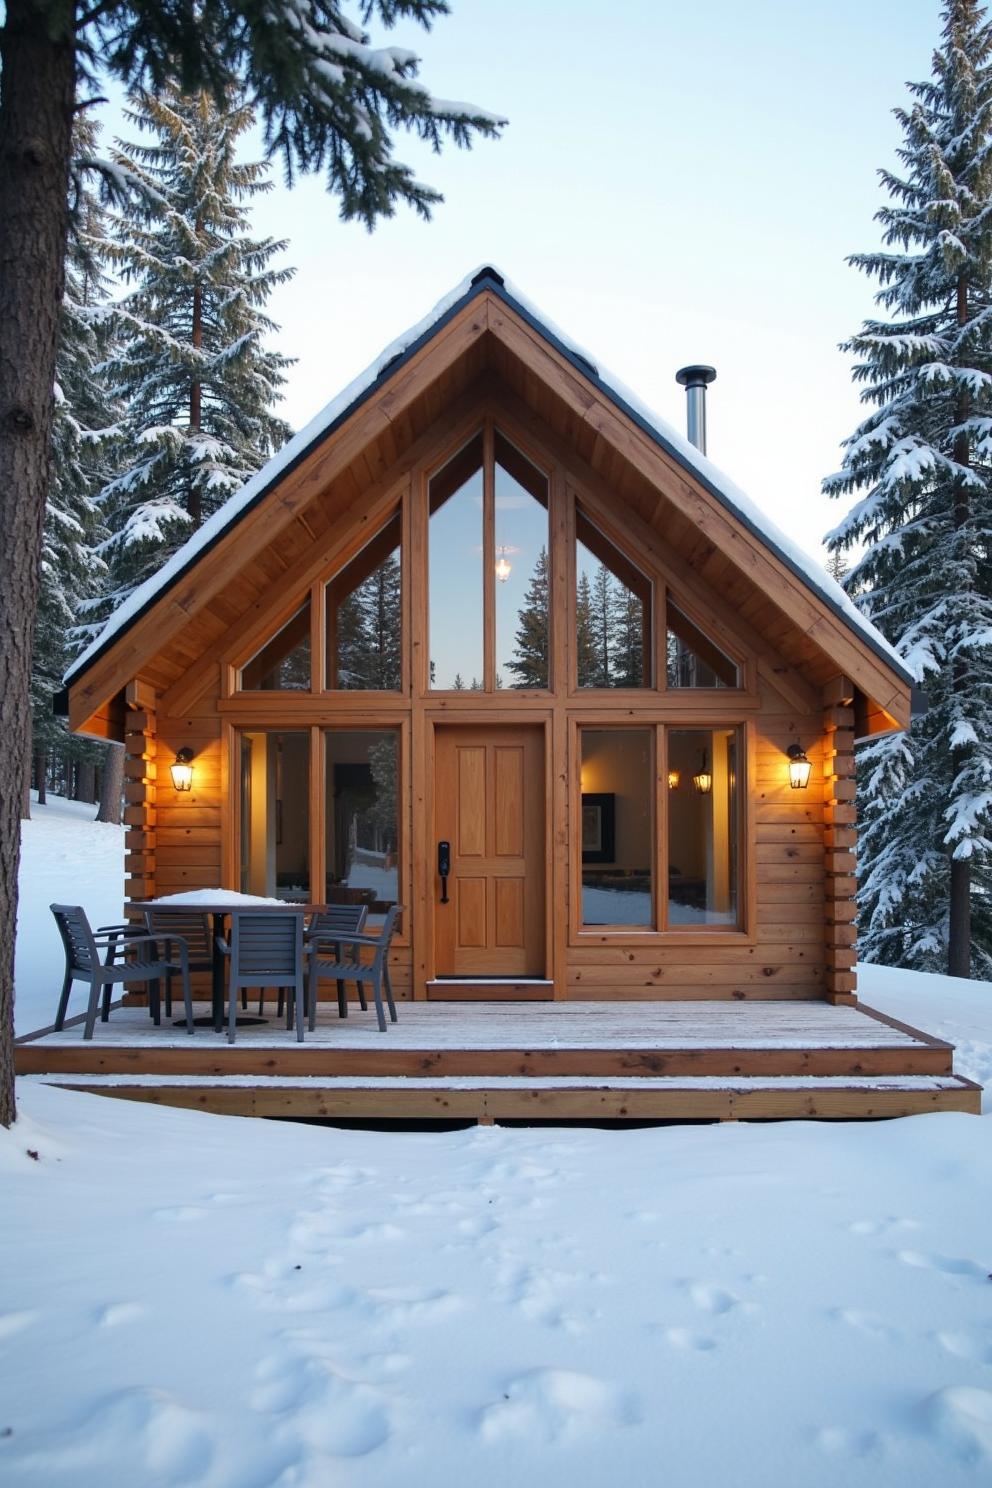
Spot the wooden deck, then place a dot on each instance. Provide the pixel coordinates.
(492, 1061)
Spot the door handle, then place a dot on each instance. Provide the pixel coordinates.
(444, 868)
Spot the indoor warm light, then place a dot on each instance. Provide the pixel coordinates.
(182, 770)
(799, 767)
(703, 779)
(503, 568)
(673, 779)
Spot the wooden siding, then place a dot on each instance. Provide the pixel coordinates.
(796, 935)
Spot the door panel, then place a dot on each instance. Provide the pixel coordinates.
(489, 795)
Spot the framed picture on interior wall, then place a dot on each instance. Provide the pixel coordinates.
(598, 828)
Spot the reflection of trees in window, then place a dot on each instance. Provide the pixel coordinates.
(692, 659)
(283, 664)
(531, 664)
(362, 819)
(612, 613)
(364, 617)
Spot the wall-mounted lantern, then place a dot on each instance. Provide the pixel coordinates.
(182, 770)
(703, 778)
(799, 767)
(674, 779)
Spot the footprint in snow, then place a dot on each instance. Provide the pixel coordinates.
(558, 1406)
(965, 1345)
(328, 1412)
(961, 1415)
(949, 1265)
(117, 1313)
(839, 1441)
(709, 1298)
(864, 1322)
(146, 1434)
(883, 1226)
(685, 1338)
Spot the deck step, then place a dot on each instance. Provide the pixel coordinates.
(577, 1098)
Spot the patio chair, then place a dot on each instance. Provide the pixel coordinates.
(350, 920)
(83, 963)
(266, 951)
(346, 964)
(192, 926)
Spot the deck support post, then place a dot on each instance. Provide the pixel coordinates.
(840, 836)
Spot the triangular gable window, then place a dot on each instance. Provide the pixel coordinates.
(692, 658)
(612, 612)
(283, 663)
(364, 617)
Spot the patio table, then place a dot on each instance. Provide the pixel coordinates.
(219, 909)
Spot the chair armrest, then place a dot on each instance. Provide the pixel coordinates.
(222, 945)
(344, 937)
(129, 927)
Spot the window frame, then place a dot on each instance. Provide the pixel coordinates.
(662, 933)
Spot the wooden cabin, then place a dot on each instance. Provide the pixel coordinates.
(487, 615)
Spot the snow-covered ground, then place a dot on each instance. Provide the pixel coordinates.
(213, 1302)
(66, 858)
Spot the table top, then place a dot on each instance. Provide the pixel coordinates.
(222, 906)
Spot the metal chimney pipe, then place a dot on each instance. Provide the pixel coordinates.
(695, 381)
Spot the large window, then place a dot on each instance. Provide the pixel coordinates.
(703, 827)
(522, 570)
(490, 571)
(612, 612)
(617, 826)
(362, 818)
(275, 814)
(635, 828)
(455, 557)
(363, 613)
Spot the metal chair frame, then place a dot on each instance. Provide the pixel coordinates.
(352, 968)
(349, 919)
(266, 952)
(83, 963)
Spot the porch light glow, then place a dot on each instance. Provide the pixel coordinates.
(673, 779)
(503, 567)
(703, 778)
(182, 770)
(799, 767)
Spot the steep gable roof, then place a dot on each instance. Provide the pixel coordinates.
(485, 305)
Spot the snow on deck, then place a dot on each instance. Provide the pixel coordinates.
(532, 1026)
(332, 1083)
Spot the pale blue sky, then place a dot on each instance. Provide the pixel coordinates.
(679, 182)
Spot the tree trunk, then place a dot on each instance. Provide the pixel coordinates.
(38, 65)
(26, 792)
(112, 785)
(195, 501)
(85, 782)
(40, 772)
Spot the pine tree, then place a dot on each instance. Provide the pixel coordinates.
(328, 100)
(628, 651)
(368, 631)
(924, 458)
(602, 616)
(531, 660)
(585, 645)
(192, 366)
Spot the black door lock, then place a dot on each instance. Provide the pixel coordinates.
(444, 868)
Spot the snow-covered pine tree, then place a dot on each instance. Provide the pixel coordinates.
(192, 365)
(603, 621)
(368, 631)
(531, 661)
(83, 435)
(924, 459)
(628, 648)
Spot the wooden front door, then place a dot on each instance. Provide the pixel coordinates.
(489, 806)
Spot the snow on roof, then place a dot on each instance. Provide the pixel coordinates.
(486, 277)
